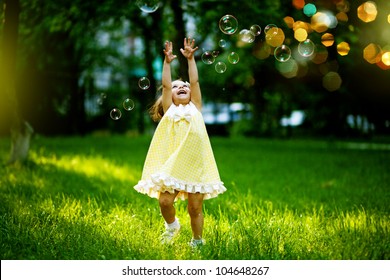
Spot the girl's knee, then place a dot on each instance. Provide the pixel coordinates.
(166, 200)
(195, 207)
(194, 210)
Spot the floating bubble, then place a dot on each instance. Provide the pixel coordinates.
(148, 6)
(247, 36)
(233, 58)
(271, 27)
(101, 98)
(282, 53)
(222, 43)
(220, 67)
(115, 114)
(215, 53)
(306, 48)
(256, 29)
(228, 24)
(128, 104)
(144, 83)
(208, 58)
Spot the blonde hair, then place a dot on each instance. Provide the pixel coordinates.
(156, 111)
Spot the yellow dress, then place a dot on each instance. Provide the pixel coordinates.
(180, 157)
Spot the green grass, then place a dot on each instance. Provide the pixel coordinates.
(286, 200)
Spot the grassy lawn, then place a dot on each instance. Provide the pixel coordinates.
(286, 200)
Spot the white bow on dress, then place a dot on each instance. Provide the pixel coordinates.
(182, 113)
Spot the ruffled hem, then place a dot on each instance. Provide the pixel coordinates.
(163, 183)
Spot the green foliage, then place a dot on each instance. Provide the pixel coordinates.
(286, 200)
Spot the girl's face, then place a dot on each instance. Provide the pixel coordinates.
(181, 93)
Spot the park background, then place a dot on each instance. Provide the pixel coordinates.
(300, 133)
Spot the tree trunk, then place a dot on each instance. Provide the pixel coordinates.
(21, 131)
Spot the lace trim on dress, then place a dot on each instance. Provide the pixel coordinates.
(160, 182)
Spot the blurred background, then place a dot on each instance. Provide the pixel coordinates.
(272, 68)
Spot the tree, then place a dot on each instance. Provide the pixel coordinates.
(21, 131)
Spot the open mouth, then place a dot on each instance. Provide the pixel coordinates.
(181, 92)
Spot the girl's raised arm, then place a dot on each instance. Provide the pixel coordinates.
(166, 76)
(188, 52)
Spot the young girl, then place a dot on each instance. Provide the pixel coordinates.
(180, 163)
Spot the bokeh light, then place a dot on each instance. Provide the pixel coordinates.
(148, 6)
(288, 69)
(228, 24)
(331, 81)
(144, 83)
(367, 11)
(322, 21)
(343, 48)
(321, 54)
(343, 6)
(342, 17)
(115, 114)
(327, 39)
(298, 4)
(386, 58)
(300, 34)
(275, 37)
(262, 50)
(289, 21)
(309, 9)
(372, 53)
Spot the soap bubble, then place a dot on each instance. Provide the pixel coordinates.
(220, 67)
(228, 24)
(271, 27)
(247, 36)
(306, 48)
(208, 58)
(115, 114)
(282, 53)
(222, 43)
(128, 104)
(148, 6)
(144, 83)
(102, 97)
(233, 58)
(255, 29)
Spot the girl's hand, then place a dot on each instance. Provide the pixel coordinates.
(169, 56)
(189, 48)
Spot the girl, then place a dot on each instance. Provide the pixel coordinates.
(180, 163)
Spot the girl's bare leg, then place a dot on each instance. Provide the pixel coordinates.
(195, 204)
(167, 208)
